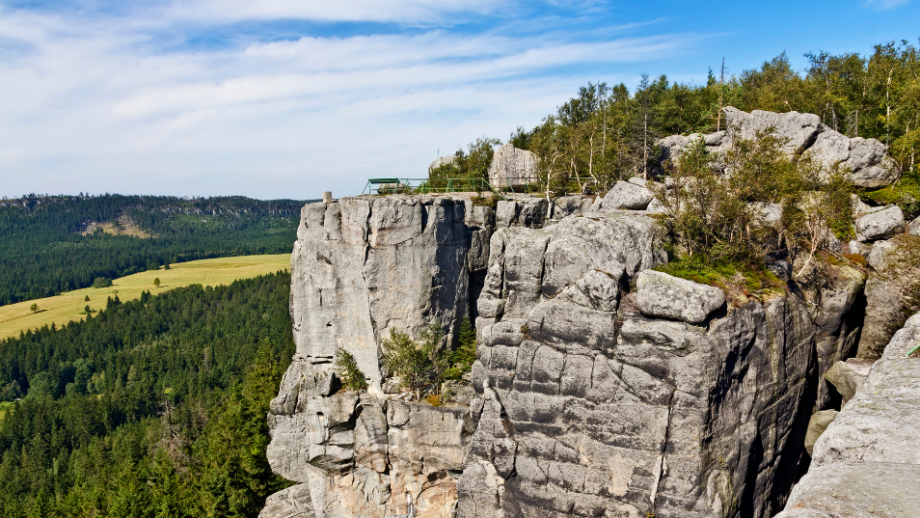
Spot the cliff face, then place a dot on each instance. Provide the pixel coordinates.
(588, 402)
(591, 409)
(867, 462)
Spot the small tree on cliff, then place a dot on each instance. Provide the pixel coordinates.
(348, 371)
(417, 364)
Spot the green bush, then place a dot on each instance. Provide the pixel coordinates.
(102, 282)
(418, 364)
(348, 371)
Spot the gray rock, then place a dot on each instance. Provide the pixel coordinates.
(816, 426)
(656, 207)
(625, 195)
(848, 376)
(799, 129)
(571, 206)
(881, 224)
(914, 227)
(868, 457)
(512, 167)
(664, 296)
(527, 212)
(444, 160)
(768, 214)
(293, 502)
(893, 280)
(866, 160)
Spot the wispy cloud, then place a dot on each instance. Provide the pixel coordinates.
(886, 5)
(118, 101)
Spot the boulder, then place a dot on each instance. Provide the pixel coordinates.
(656, 207)
(881, 224)
(892, 284)
(625, 195)
(524, 212)
(513, 167)
(663, 296)
(768, 214)
(848, 376)
(444, 160)
(799, 130)
(816, 426)
(914, 227)
(293, 502)
(866, 160)
(868, 459)
(571, 205)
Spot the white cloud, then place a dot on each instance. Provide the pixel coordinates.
(99, 106)
(886, 4)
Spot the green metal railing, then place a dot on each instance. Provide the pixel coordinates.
(427, 185)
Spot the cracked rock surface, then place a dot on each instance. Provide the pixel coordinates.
(867, 462)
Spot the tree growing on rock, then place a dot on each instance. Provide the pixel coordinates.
(347, 369)
(418, 364)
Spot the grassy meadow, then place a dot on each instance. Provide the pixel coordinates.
(70, 306)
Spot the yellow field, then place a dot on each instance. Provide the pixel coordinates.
(69, 307)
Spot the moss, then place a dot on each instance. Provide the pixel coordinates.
(731, 277)
(904, 193)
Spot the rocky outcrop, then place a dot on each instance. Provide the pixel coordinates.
(602, 387)
(866, 160)
(892, 292)
(663, 296)
(880, 224)
(866, 463)
(580, 415)
(625, 195)
(513, 167)
(444, 160)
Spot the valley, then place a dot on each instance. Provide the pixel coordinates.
(70, 307)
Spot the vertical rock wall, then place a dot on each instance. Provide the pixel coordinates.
(590, 409)
(585, 406)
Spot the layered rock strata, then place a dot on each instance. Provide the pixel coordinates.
(590, 408)
(867, 461)
(598, 393)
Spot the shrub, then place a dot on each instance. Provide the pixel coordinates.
(102, 282)
(465, 354)
(417, 364)
(348, 371)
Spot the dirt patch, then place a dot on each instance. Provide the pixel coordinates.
(123, 226)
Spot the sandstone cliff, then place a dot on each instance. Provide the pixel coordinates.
(601, 388)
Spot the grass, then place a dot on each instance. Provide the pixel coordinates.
(739, 282)
(69, 307)
(905, 192)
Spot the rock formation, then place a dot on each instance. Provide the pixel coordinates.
(867, 461)
(513, 167)
(804, 134)
(602, 387)
(444, 160)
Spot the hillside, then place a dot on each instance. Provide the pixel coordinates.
(149, 408)
(55, 244)
(71, 306)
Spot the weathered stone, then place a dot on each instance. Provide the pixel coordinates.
(527, 212)
(816, 425)
(444, 160)
(848, 376)
(866, 160)
(293, 502)
(571, 206)
(881, 224)
(892, 284)
(512, 167)
(868, 457)
(664, 296)
(625, 195)
(656, 207)
(800, 130)
(914, 227)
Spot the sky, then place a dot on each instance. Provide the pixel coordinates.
(287, 99)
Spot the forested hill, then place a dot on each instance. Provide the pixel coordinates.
(154, 407)
(53, 244)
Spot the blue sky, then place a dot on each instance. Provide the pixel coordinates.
(286, 98)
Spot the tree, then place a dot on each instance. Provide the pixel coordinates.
(403, 357)
(86, 299)
(34, 308)
(156, 282)
(348, 371)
